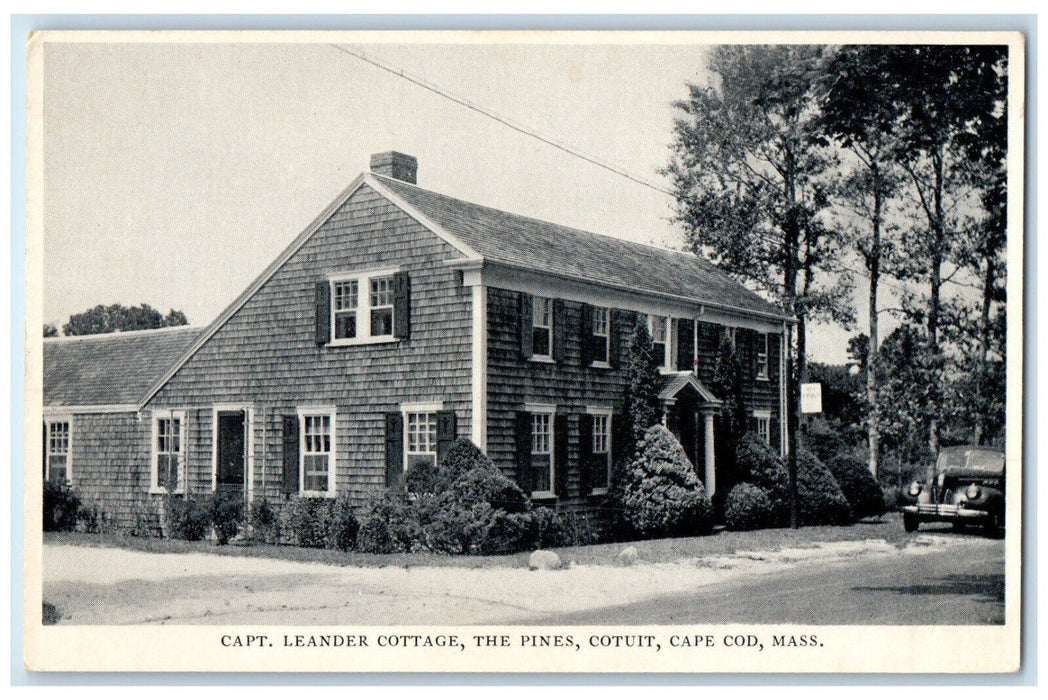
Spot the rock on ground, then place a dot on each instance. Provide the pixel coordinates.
(544, 560)
(627, 557)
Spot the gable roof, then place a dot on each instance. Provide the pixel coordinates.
(109, 369)
(673, 384)
(523, 242)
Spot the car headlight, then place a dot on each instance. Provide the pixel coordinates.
(915, 488)
(972, 492)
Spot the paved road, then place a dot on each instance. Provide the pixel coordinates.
(960, 585)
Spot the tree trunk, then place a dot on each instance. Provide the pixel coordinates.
(791, 231)
(984, 347)
(874, 268)
(938, 254)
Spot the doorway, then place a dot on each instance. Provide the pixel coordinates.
(231, 451)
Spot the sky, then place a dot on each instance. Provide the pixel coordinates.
(174, 173)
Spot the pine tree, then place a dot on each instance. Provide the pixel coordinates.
(643, 406)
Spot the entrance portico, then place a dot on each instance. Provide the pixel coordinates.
(689, 409)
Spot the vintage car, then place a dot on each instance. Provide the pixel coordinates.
(965, 486)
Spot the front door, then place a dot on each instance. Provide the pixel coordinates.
(232, 451)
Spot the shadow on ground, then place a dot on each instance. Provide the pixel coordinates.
(988, 587)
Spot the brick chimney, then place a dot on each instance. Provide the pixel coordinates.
(395, 165)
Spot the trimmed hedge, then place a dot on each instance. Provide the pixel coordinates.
(821, 501)
(758, 464)
(858, 485)
(660, 494)
(321, 523)
(748, 507)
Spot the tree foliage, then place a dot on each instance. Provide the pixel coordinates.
(644, 382)
(117, 317)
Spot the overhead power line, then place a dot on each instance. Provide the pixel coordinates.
(593, 160)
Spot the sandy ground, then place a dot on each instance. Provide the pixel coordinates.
(93, 585)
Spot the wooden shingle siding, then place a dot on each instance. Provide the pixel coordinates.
(110, 462)
(266, 355)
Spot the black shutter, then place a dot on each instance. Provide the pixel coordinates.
(560, 326)
(685, 344)
(290, 480)
(619, 440)
(395, 452)
(401, 305)
(323, 319)
(446, 433)
(616, 324)
(744, 339)
(523, 444)
(526, 338)
(586, 479)
(560, 455)
(586, 335)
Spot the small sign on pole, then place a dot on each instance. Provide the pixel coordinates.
(811, 398)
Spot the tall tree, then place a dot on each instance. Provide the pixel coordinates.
(749, 174)
(945, 94)
(644, 382)
(859, 113)
(116, 317)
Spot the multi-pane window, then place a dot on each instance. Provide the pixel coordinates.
(57, 465)
(601, 334)
(381, 303)
(344, 302)
(601, 452)
(542, 453)
(760, 423)
(421, 434)
(542, 327)
(660, 338)
(317, 455)
(762, 356)
(168, 453)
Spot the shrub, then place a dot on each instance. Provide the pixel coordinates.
(422, 478)
(463, 456)
(486, 484)
(758, 464)
(226, 511)
(341, 525)
(892, 498)
(661, 494)
(91, 519)
(508, 533)
(859, 487)
(748, 507)
(821, 438)
(187, 518)
(307, 521)
(820, 500)
(61, 505)
(265, 521)
(384, 528)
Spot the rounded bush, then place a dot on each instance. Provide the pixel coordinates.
(660, 493)
(821, 501)
(386, 527)
(486, 484)
(226, 511)
(758, 464)
(463, 456)
(306, 521)
(748, 507)
(858, 485)
(61, 505)
(341, 526)
(187, 518)
(265, 523)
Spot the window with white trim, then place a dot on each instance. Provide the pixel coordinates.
(316, 452)
(601, 452)
(168, 452)
(542, 453)
(57, 466)
(420, 433)
(760, 423)
(362, 307)
(659, 328)
(344, 297)
(601, 334)
(762, 356)
(542, 328)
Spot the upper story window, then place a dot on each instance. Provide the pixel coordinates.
(317, 451)
(362, 307)
(761, 356)
(659, 328)
(542, 328)
(57, 466)
(168, 452)
(601, 334)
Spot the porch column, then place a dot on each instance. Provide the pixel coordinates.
(711, 477)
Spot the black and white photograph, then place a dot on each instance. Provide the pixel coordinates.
(559, 351)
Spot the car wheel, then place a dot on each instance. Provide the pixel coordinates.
(995, 526)
(910, 523)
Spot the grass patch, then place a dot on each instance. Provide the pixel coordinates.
(888, 528)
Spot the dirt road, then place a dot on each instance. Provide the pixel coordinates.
(95, 585)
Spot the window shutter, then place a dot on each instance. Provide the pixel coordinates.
(560, 325)
(525, 326)
(401, 305)
(619, 440)
(586, 335)
(685, 344)
(323, 319)
(774, 436)
(45, 451)
(585, 453)
(560, 455)
(290, 480)
(523, 441)
(395, 452)
(446, 433)
(616, 322)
